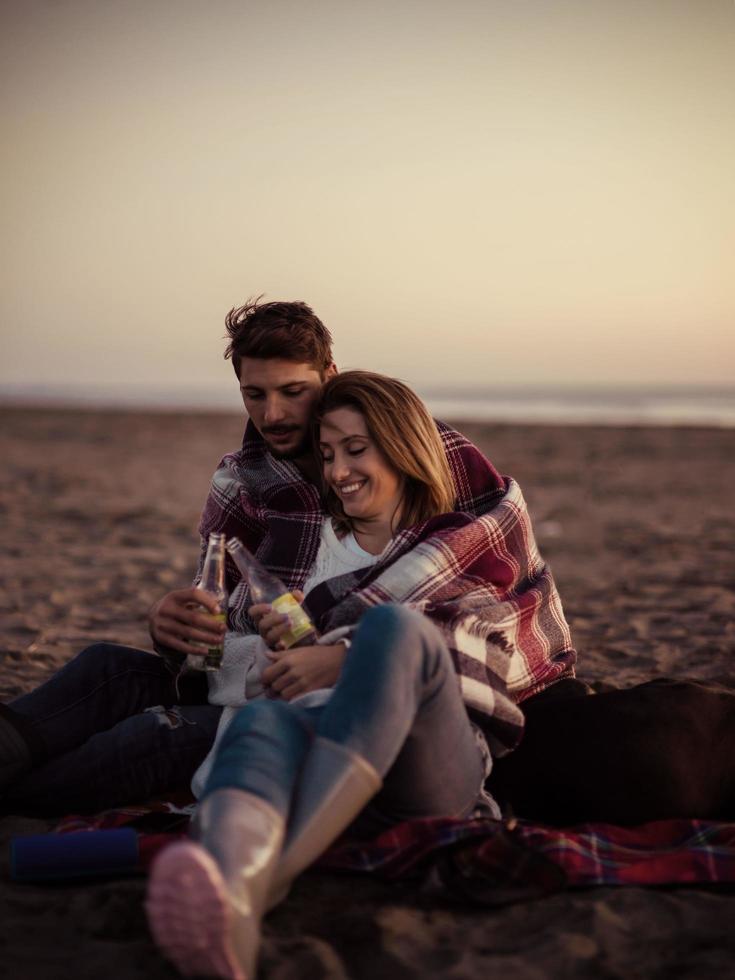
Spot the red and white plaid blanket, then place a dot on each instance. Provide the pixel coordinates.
(482, 581)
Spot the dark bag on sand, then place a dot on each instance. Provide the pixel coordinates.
(658, 750)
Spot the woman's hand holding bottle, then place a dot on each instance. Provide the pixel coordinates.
(268, 590)
(272, 624)
(296, 669)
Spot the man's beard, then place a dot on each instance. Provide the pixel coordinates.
(302, 449)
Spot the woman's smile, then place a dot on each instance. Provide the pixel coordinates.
(369, 488)
(347, 489)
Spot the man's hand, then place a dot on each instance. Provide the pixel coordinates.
(272, 625)
(178, 620)
(303, 669)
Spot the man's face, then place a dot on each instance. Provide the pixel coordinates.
(279, 397)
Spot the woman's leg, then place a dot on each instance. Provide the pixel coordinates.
(398, 705)
(205, 899)
(262, 752)
(396, 716)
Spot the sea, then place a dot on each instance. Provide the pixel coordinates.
(667, 406)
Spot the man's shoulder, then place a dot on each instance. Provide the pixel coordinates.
(249, 465)
(237, 467)
(255, 474)
(252, 475)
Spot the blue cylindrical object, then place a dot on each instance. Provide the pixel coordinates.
(83, 853)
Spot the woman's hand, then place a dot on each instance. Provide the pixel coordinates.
(303, 669)
(272, 625)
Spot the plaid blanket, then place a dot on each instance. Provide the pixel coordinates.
(476, 573)
(493, 862)
(489, 862)
(482, 582)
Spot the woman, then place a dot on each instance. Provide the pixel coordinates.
(443, 614)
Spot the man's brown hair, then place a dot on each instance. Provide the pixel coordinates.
(290, 331)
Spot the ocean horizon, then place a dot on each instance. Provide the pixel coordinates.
(523, 404)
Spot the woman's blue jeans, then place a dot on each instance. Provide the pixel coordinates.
(109, 728)
(397, 704)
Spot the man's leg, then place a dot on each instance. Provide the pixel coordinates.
(150, 753)
(98, 688)
(93, 742)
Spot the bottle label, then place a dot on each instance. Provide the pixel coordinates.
(213, 658)
(300, 624)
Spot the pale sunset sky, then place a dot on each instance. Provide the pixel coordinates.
(496, 192)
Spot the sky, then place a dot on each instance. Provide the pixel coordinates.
(502, 192)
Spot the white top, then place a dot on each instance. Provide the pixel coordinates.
(246, 656)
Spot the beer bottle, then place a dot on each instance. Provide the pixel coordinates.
(213, 581)
(266, 587)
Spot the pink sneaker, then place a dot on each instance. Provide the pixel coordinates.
(190, 914)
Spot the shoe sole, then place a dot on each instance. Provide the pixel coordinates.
(189, 913)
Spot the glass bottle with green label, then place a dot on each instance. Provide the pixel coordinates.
(266, 587)
(213, 581)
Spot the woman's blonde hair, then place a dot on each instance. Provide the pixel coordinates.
(404, 432)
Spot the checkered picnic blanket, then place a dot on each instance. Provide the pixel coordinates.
(490, 862)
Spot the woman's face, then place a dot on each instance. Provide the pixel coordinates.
(356, 470)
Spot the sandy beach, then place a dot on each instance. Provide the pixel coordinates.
(100, 513)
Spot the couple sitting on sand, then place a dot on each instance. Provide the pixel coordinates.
(438, 618)
(117, 725)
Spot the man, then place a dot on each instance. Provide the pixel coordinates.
(278, 394)
(117, 725)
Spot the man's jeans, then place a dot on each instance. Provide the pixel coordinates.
(397, 704)
(109, 728)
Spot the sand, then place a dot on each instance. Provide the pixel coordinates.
(100, 512)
